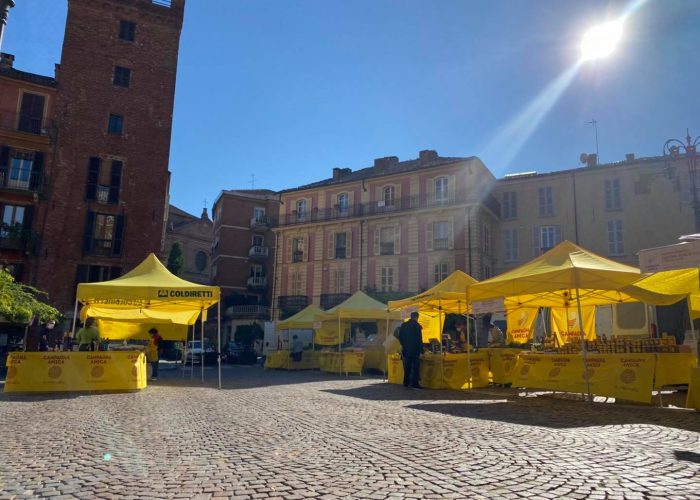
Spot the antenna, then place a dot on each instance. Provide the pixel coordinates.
(205, 203)
(252, 181)
(594, 122)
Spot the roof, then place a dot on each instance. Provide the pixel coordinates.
(16, 74)
(255, 194)
(396, 168)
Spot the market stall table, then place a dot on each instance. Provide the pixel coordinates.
(502, 363)
(75, 371)
(693, 400)
(341, 362)
(445, 371)
(281, 359)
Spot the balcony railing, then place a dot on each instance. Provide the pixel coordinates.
(257, 282)
(251, 311)
(24, 123)
(406, 203)
(260, 223)
(292, 301)
(17, 238)
(329, 300)
(20, 179)
(258, 251)
(440, 243)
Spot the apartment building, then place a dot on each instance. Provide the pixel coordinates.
(394, 228)
(195, 236)
(27, 104)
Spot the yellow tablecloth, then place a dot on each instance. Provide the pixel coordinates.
(395, 369)
(375, 358)
(75, 371)
(674, 368)
(445, 371)
(502, 363)
(281, 360)
(693, 400)
(345, 362)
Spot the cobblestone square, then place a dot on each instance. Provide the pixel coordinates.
(309, 435)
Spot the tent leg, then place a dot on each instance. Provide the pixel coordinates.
(75, 317)
(218, 338)
(201, 323)
(194, 336)
(583, 345)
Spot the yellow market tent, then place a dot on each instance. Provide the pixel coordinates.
(149, 294)
(450, 295)
(303, 320)
(668, 287)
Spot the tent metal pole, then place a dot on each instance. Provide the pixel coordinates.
(75, 316)
(386, 338)
(194, 336)
(442, 345)
(583, 344)
(201, 322)
(218, 338)
(340, 346)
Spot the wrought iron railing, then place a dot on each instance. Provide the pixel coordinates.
(250, 311)
(257, 281)
(20, 179)
(258, 251)
(292, 301)
(329, 300)
(24, 123)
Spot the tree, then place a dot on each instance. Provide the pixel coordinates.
(19, 302)
(176, 260)
(247, 334)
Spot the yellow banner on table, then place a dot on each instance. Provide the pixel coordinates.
(75, 371)
(621, 376)
(520, 324)
(567, 327)
(431, 371)
(674, 368)
(555, 372)
(462, 371)
(502, 364)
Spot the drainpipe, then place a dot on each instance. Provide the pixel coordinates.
(469, 239)
(573, 177)
(275, 267)
(362, 242)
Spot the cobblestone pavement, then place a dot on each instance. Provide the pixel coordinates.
(309, 435)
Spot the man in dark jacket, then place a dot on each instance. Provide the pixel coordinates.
(411, 338)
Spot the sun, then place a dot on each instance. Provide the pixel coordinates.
(600, 41)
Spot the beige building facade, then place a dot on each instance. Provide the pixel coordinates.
(195, 236)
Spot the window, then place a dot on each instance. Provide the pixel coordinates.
(296, 284)
(31, 113)
(546, 204)
(386, 241)
(615, 241)
(343, 203)
(115, 125)
(257, 271)
(127, 31)
(441, 271)
(339, 280)
(20, 170)
(103, 234)
(388, 196)
(510, 205)
(441, 237)
(103, 185)
(200, 260)
(93, 274)
(301, 210)
(258, 240)
(297, 249)
(341, 243)
(122, 76)
(441, 190)
(612, 194)
(548, 238)
(510, 245)
(487, 240)
(12, 219)
(259, 214)
(386, 282)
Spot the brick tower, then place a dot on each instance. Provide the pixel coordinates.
(107, 185)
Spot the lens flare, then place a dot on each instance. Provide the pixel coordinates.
(600, 41)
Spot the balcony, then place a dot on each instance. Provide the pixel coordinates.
(257, 282)
(20, 180)
(292, 301)
(329, 300)
(24, 123)
(440, 244)
(258, 252)
(248, 312)
(260, 223)
(17, 238)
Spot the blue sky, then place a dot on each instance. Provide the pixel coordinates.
(287, 90)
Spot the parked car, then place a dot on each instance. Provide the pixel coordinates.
(194, 350)
(232, 352)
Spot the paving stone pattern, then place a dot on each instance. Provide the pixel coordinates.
(310, 435)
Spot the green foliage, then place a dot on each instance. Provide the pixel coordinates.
(176, 260)
(246, 334)
(19, 302)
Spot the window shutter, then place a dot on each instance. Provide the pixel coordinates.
(397, 240)
(305, 248)
(28, 216)
(118, 235)
(37, 168)
(81, 274)
(397, 196)
(348, 244)
(351, 203)
(92, 178)
(429, 236)
(535, 241)
(450, 233)
(115, 181)
(331, 245)
(431, 192)
(557, 234)
(452, 189)
(87, 235)
(290, 243)
(4, 156)
(376, 241)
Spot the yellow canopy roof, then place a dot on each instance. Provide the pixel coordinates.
(302, 320)
(551, 280)
(666, 287)
(359, 306)
(148, 293)
(450, 295)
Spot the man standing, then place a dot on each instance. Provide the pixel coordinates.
(297, 349)
(88, 336)
(495, 336)
(153, 351)
(411, 338)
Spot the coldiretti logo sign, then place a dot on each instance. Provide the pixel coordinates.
(185, 294)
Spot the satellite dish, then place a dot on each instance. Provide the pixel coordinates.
(583, 158)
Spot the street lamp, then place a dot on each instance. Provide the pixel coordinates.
(5, 6)
(600, 41)
(675, 149)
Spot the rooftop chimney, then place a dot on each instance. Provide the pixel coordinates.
(629, 157)
(6, 60)
(339, 173)
(5, 6)
(387, 161)
(427, 155)
(592, 160)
